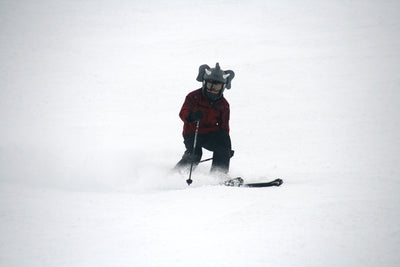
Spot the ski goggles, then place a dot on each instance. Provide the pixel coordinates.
(213, 86)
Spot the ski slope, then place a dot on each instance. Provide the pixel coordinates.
(90, 93)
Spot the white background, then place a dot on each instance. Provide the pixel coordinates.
(90, 93)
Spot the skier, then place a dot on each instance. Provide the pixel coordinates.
(208, 106)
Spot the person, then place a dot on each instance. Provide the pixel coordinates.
(209, 107)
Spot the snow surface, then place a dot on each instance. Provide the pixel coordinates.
(89, 98)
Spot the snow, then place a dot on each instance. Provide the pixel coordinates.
(89, 98)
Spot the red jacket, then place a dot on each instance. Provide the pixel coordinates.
(216, 114)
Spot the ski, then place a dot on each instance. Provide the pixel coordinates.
(276, 182)
(239, 182)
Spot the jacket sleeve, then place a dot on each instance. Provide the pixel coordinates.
(187, 107)
(225, 120)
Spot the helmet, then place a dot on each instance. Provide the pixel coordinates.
(207, 74)
(215, 74)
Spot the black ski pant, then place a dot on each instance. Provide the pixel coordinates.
(219, 142)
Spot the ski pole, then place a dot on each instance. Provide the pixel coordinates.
(189, 181)
(204, 160)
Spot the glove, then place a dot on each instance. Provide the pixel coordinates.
(195, 115)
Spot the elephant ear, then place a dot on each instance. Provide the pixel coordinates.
(202, 69)
(230, 75)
